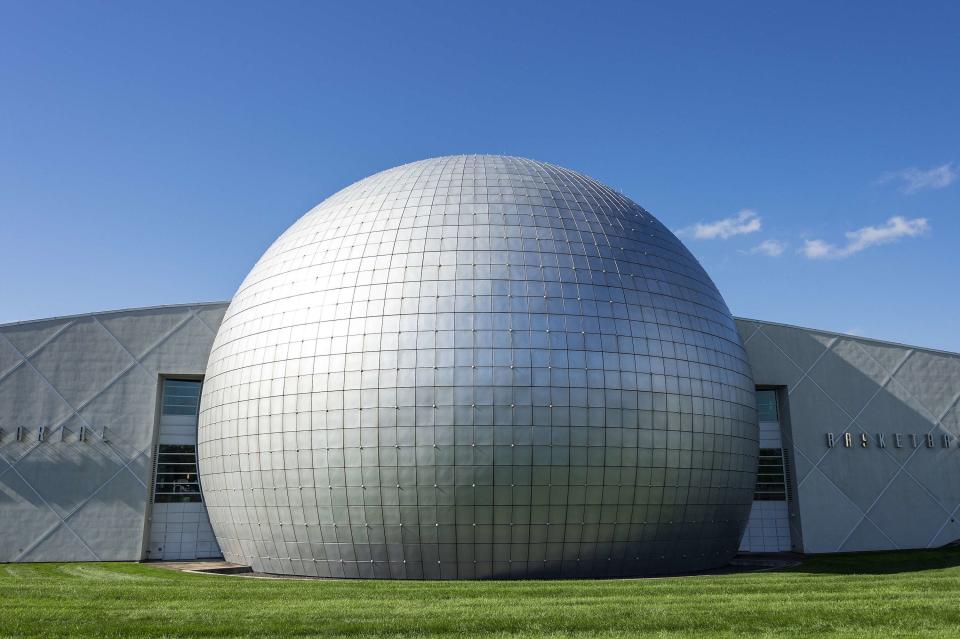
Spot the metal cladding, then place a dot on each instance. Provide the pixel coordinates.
(478, 366)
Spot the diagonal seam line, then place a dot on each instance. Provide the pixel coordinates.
(863, 514)
(40, 539)
(752, 333)
(165, 337)
(36, 444)
(956, 508)
(805, 375)
(61, 425)
(37, 348)
(120, 375)
(883, 492)
(945, 522)
(893, 376)
(202, 321)
(45, 380)
(854, 418)
(55, 513)
(813, 466)
(124, 348)
(901, 466)
(130, 366)
(124, 467)
(796, 449)
(132, 459)
(152, 348)
(938, 422)
(12, 369)
(76, 411)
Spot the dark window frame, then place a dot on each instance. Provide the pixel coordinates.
(177, 482)
(771, 476)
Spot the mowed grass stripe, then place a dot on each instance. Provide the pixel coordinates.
(905, 594)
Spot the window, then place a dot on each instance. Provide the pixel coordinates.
(181, 397)
(767, 406)
(771, 476)
(177, 479)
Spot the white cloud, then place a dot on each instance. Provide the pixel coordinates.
(895, 228)
(746, 221)
(913, 179)
(771, 248)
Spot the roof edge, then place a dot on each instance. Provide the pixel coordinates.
(226, 302)
(861, 338)
(113, 312)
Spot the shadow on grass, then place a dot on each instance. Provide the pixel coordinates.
(879, 563)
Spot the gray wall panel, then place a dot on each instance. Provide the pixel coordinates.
(866, 498)
(63, 499)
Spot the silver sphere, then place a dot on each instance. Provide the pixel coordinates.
(478, 366)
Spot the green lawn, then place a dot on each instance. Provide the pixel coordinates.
(904, 594)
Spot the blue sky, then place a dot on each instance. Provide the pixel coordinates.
(808, 153)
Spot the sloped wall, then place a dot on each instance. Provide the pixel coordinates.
(67, 499)
(62, 499)
(880, 495)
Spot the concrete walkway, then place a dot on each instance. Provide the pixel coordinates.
(216, 566)
(751, 562)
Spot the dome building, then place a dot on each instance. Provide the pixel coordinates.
(469, 367)
(478, 366)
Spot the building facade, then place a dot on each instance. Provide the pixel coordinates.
(478, 366)
(869, 434)
(68, 495)
(85, 426)
(469, 367)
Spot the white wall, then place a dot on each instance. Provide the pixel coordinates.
(64, 499)
(865, 498)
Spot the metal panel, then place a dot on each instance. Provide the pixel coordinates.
(478, 366)
(179, 525)
(873, 494)
(768, 528)
(90, 382)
